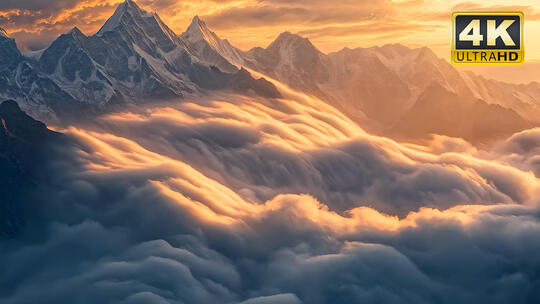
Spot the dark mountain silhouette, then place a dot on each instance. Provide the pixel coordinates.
(24, 143)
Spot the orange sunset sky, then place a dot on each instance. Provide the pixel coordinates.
(330, 25)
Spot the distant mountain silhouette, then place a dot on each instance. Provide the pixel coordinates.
(384, 88)
(439, 111)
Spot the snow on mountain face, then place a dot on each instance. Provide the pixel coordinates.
(210, 49)
(354, 82)
(129, 13)
(361, 81)
(36, 93)
(292, 43)
(289, 53)
(420, 67)
(76, 71)
(134, 57)
(67, 61)
(21, 81)
(142, 28)
(377, 86)
(523, 98)
(358, 82)
(292, 60)
(115, 20)
(142, 55)
(170, 65)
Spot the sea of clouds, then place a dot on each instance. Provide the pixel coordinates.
(237, 199)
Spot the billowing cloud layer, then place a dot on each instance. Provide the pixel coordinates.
(288, 147)
(244, 200)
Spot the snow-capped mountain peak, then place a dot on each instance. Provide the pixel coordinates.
(198, 31)
(114, 20)
(288, 40)
(76, 33)
(164, 28)
(126, 14)
(134, 57)
(288, 51)
(209, 48)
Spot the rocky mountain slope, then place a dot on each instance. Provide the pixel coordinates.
(209, 48)
(383, 88)
(133, 58)
(23, 145)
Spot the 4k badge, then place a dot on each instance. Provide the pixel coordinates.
(483, 37)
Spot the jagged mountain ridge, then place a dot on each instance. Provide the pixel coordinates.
(440, 111)
(209, 48)
(133, 58)
(383, 88)
(292, 60)
(366, 76)
(21, 80)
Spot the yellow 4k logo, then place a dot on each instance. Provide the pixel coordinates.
(487, 38)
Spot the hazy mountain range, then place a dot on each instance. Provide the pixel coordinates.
(386, 88)
(391, 90)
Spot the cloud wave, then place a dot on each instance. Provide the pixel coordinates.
(245, 200)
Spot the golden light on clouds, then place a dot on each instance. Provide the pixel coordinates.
(213, 203)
